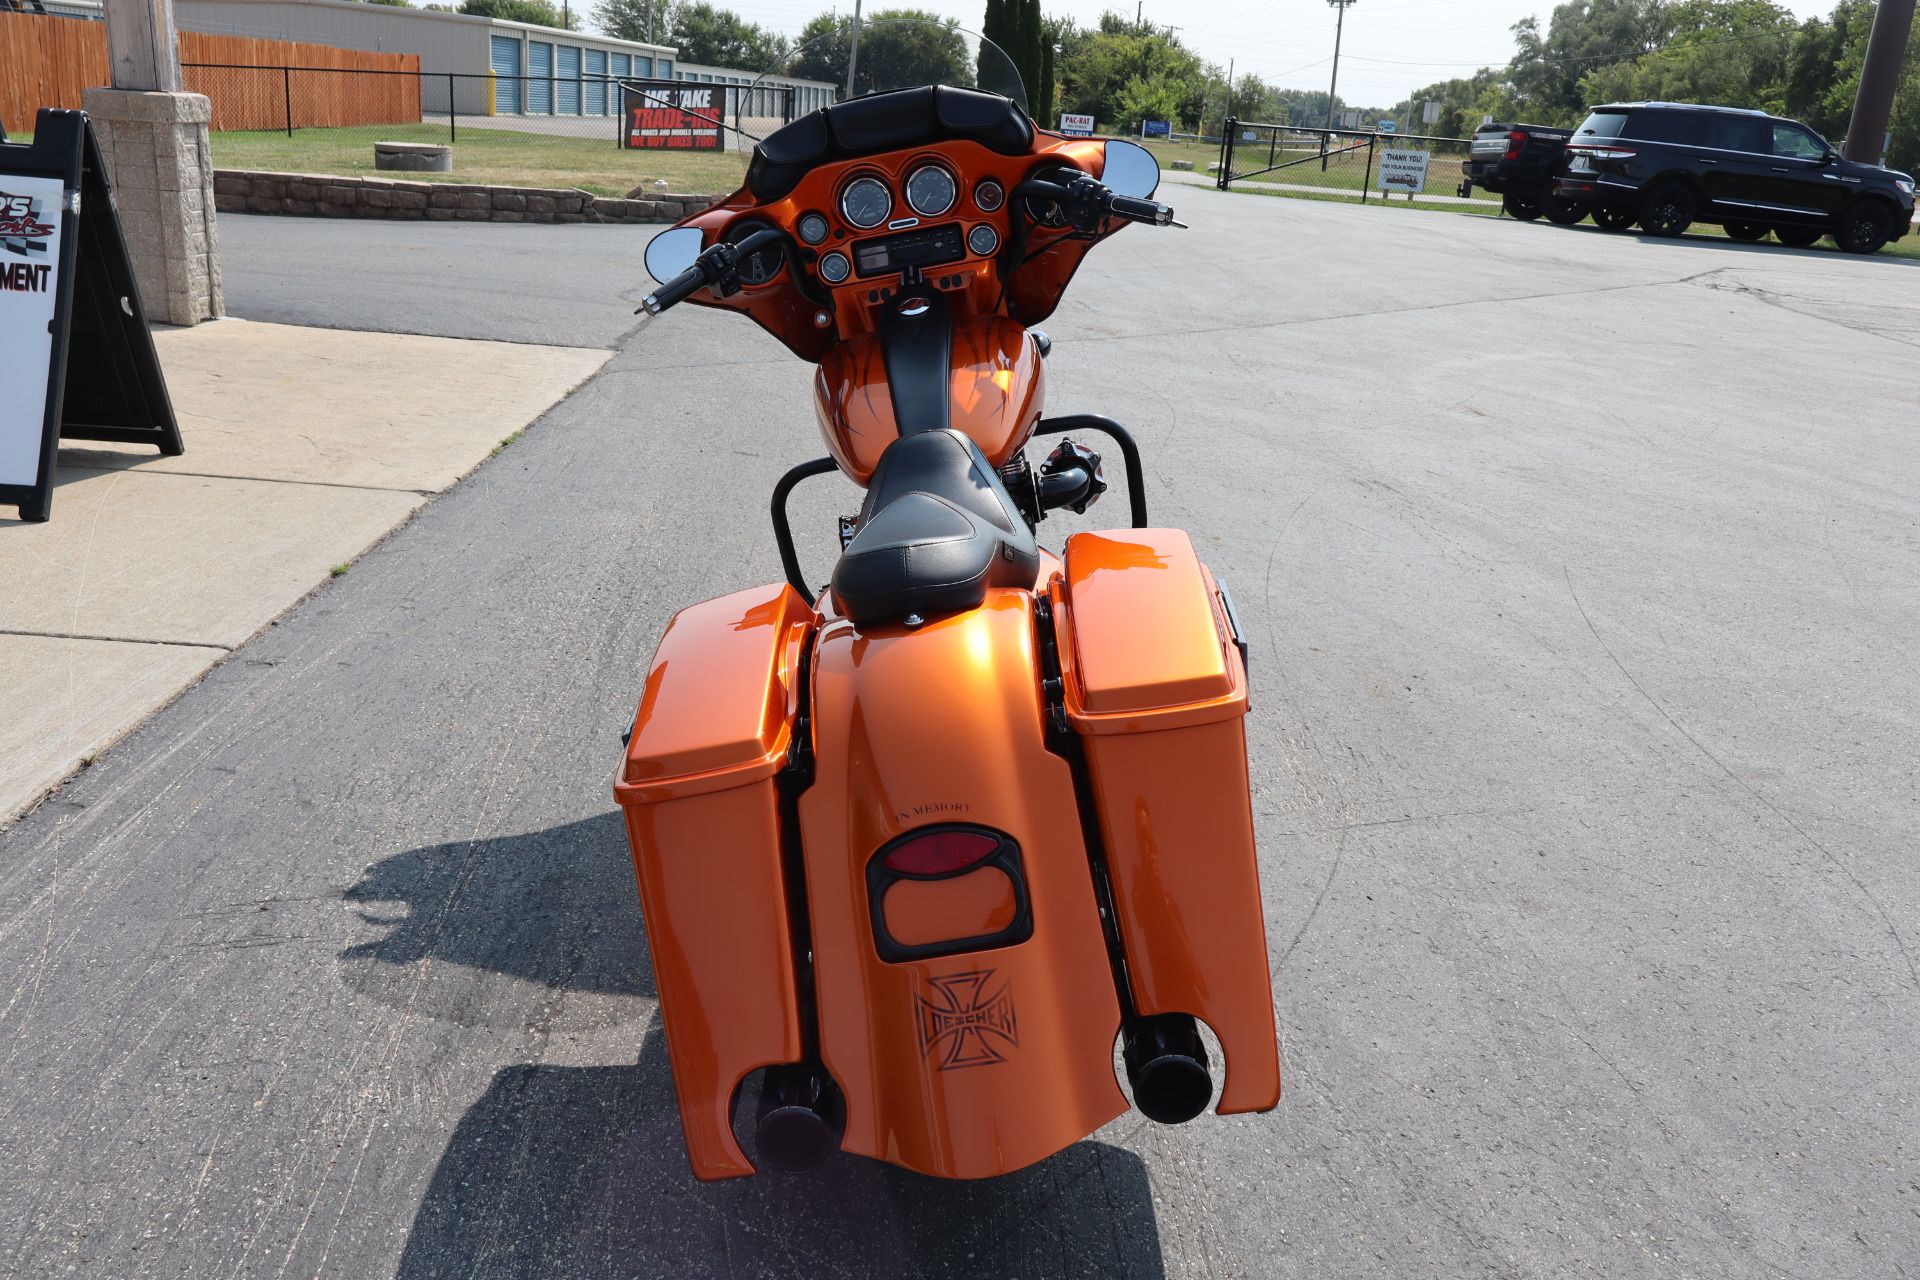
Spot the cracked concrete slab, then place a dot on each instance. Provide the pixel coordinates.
(380, 411)
(68, 698)
(304, 447)
(182, 559)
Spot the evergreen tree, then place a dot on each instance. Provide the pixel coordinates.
(1030, 42)
(1043, 109)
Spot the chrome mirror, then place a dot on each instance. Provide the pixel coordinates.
(1130, 170)
(671, 252)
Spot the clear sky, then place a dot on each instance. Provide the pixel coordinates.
(1390, 47)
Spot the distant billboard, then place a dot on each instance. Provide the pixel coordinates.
(1157, 128)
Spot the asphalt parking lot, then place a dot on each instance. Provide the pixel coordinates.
(1584, 575)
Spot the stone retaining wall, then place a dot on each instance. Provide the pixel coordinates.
(324, 196)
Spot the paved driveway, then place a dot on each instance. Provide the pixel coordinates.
(1584, 574)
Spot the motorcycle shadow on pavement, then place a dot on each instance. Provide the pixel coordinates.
(580, 1172)
(555, 909)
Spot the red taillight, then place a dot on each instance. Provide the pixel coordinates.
(1516, 143)
(940, 853)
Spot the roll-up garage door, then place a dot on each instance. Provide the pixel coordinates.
(539, 73)
(566, 89)
(505, 61)
(596, 87)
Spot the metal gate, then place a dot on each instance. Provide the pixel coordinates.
(504, 58)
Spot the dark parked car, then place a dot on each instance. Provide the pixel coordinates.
(1518, 162)
(1668, 165)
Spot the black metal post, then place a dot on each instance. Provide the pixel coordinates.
(1226, 151)
(453, 125)
(1273, 141)
(286, 88)
(1367, 181)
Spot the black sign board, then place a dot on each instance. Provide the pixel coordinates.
(673, 115)
(79, 361)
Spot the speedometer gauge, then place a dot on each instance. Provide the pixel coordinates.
(930, 190)
(866, 202)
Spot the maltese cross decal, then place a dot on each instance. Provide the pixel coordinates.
(966, 1024)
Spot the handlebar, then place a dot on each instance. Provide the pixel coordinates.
(717, 266)
(1088, 193)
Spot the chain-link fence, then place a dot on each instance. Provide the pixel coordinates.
(504, 130)
(1343, 163)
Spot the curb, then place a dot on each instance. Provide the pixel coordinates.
(328, 196)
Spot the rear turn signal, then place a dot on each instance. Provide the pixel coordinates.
(938, 853)
(1516, 143)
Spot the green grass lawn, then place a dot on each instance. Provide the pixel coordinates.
(493, 156)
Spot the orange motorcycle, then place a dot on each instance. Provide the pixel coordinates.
(916, 849)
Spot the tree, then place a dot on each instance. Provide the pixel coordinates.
(393, 4)
(533, 12)
(716, 37)
(899, 48)
(1043, 108)
(647, 21)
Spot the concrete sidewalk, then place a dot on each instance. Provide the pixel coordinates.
(304, 447)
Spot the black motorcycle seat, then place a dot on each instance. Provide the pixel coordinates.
(936, 530)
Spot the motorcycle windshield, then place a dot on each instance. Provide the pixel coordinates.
(880, 54)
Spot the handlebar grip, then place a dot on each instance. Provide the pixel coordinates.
(1136, 209)
(676, 290)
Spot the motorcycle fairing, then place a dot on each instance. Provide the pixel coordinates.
(699, 789)
(978, 1063)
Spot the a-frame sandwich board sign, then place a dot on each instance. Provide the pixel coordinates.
(76, 359)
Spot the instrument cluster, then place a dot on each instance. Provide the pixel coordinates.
(879, 222)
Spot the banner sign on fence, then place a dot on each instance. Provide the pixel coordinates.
(1156, 128)
(73, 337)
(1076, 126)
(683, 117)
(1403, 170)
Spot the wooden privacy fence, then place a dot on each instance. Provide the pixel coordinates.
(47, 61)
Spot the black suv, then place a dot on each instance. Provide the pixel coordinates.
(1669, 165)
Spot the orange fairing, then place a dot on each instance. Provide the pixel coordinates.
(698, 787)
(975, 1064)
(996, 389)
(1157, 689)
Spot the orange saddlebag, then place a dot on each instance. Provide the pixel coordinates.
(1157, 690)
(699, 787)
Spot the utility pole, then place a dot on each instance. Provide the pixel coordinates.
(853, 55)
(1879, 77)
(1339, 24)
(1229, 88)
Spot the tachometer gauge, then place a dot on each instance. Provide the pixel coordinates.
(757, 268)
(930, 190)
(812, 227)
(866, 202)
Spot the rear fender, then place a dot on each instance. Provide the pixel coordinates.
(979, 1062)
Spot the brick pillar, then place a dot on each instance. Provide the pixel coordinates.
(155, 145)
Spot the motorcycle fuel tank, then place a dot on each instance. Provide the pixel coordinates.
(996, 387)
